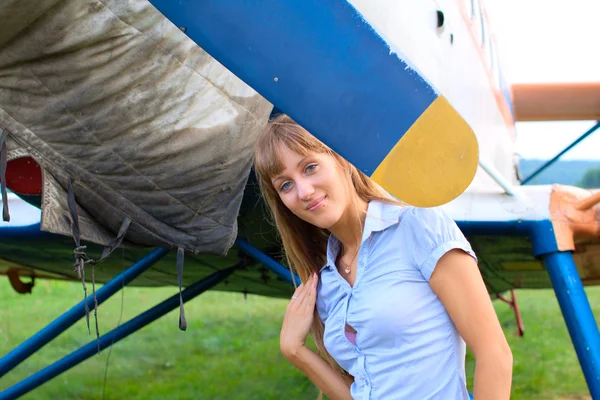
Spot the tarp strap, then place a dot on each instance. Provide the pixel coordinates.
(79, 252)
(81, 258)
(3, 164)
(116, 242)
(180, 256)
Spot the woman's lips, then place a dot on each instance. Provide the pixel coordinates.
(318, 203)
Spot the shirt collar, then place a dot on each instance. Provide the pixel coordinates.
(380, 216)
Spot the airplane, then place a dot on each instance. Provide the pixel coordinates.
(129, 125)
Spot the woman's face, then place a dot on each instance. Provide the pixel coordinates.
(313, 187)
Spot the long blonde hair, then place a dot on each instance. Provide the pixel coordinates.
(305, 245)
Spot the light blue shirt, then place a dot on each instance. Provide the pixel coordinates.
(407, 347)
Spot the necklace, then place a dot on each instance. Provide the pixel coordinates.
(347, 266)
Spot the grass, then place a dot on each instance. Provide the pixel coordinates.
(230, 350)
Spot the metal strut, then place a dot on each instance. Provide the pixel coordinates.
(268, 262)
(515, 307)
(113, 336)
(573, 301)
(578, 315)
(556, 157)
(62, 323)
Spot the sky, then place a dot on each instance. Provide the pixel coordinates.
(549, 41)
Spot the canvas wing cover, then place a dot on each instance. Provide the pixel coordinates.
(113, 100)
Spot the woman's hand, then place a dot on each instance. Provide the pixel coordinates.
(298, 317)
(296, 326)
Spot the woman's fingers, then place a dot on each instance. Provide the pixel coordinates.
(299, 289)
(311, 289)
(306, 298)
(305, 291)
(302, 293)
(299, 315)
(299, 297)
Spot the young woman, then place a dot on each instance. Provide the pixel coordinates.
(390, 293)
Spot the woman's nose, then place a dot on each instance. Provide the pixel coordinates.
(305, 189)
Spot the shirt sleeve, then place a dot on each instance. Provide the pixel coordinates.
(434, 233)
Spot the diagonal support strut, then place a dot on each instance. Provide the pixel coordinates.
(556, 157)
(268, 262)
(62, 323)
(131, 326)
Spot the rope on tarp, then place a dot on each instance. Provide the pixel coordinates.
(81, 258)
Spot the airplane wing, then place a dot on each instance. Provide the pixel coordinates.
(577, 101)
(26, 251)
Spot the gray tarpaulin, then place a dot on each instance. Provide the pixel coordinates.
(111, 95)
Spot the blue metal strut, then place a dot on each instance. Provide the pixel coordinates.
(59, 325)
(267, 261)
(556, 157)
(113, 336)
(578, 315)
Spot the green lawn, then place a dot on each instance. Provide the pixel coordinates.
(230, 350)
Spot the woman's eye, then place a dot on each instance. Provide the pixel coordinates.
(285, 186)
(310, 167)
